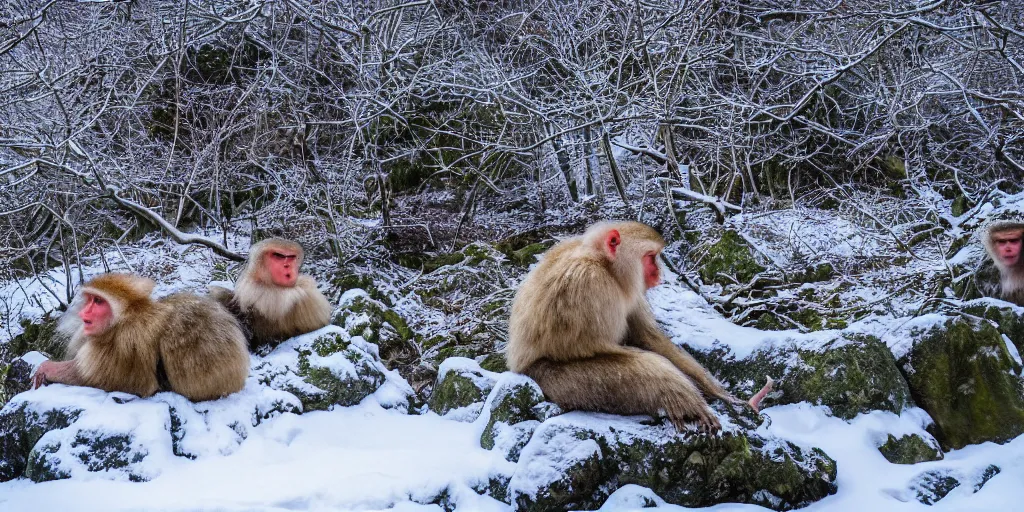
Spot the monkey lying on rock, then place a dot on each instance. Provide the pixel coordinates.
(582, 328)
(123, 340)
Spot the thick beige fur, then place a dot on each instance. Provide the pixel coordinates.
(582, 328)
(1011, 279)
(271, 313)
(194, 339)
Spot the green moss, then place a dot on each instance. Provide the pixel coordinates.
(333, 389)
(513, 405)
(962, 374)
(909, 449)
(852, 374)
(494, 362)
(1010, 323)
(960, 205)
(730, 256)
(691, 471)
(41, 336)
(528, 255)
(458, 390)
(816, 273)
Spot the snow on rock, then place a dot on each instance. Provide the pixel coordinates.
(329, 367)
(460, 389)
(59, 431)
(65, 431)
(576, 460)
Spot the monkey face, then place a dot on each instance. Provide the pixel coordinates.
(96, 314)
(1007, 246)
(282, 265)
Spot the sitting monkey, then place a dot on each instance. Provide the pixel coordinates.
(271, 300)
(582, 328)
(1003, 276)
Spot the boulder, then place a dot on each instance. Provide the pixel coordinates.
(849, 373)
(933, 485)
(961, 372)
(515, 408)
(910, 449)
(575, 461)
(330, 367)
(461, 388)
(61, 431)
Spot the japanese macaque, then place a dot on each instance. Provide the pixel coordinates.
(123, 340)
(271, 299)
(1002, 240)
(582, 328)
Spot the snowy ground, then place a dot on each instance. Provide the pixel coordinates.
(368, 458)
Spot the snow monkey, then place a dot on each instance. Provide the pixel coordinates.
(271, 299)
(123, 340)
(1002, 240)
(582, 328)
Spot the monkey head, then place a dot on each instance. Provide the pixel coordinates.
(632, 249)
(1002, 240)
(276, 261)
(102, 302)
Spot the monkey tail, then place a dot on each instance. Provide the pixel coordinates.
(755, 401)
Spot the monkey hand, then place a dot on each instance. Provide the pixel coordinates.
(50, 372)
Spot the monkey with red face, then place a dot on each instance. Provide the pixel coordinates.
(1003, 276)
(271, 299)
(582, 328)
(123, 340)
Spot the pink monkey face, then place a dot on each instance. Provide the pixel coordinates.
(282, 266)
(96, 315)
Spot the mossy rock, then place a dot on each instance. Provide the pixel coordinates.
(362, 315)
(41, 336)
(95, 450)
(815, 273)
(494, 362)
(460, 384)
(1008, 317)
(15, 378)
(962, 374)
(851, 374)
(471, 255)
(21, 427)
(524, 248)
(341, 373)
(577, 460)
(731, 256)
(910, 449)
(517, 406)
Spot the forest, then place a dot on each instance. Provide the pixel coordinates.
(818, 168)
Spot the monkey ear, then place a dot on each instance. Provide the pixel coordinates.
(612, 239)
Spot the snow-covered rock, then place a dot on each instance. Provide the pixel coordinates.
(576, 460)
(461, 388)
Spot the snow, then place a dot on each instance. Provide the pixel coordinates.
(352, 458)
(375, 456)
